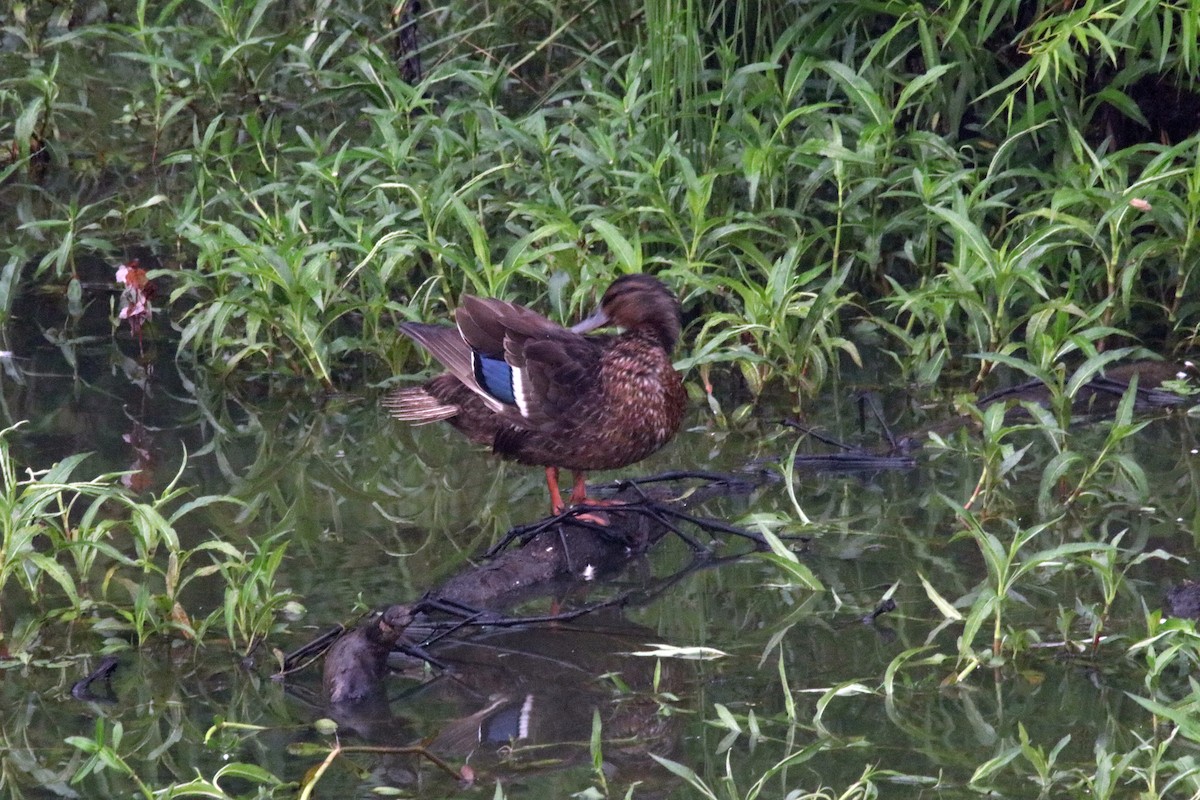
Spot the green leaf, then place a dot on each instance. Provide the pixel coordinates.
(944, 606)
(625, 251)
(859, 90)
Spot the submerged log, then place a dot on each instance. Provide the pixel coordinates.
(356, 663)
(555, 551)
(526, 695)
(580, 545)
(573, 547)
(1101, 395)
(1098, 398)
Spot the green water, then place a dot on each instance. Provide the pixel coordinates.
(376, 513)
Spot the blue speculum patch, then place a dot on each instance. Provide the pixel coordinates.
(496, 377)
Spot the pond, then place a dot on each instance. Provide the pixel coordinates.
(734, 670)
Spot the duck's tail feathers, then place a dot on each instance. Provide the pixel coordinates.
(417, 406)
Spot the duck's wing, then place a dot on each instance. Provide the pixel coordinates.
(486, 324)
(447, 345)
(560, 374)
(537, 369)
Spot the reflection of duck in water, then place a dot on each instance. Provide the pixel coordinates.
(541, 394)
(530, 694)
(525, 695)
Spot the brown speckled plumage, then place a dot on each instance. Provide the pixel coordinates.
(577, 402)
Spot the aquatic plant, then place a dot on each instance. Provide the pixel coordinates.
(86, 552)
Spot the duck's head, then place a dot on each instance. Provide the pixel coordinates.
(639, 303)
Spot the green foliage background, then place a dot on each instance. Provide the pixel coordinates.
(939, 179)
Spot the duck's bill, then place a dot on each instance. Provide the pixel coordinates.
(597, 320)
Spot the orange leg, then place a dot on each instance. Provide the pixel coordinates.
(578, 496)
(556, 502)
(579, 491)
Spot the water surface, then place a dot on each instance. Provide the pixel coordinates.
(374, 513)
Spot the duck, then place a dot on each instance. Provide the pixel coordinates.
(540, 394)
